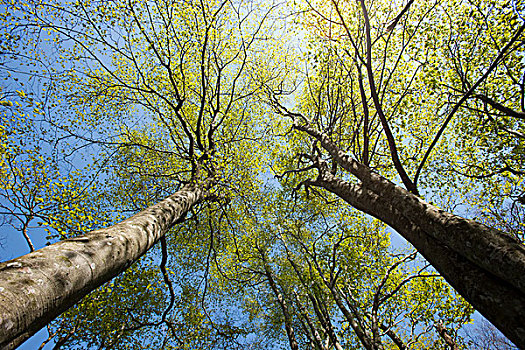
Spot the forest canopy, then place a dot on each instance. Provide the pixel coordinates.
(238, 174)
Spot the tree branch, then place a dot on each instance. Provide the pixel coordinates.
(464, 98)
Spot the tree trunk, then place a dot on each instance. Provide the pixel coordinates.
(499, 300)
(443, 333)
(37, 287)
(282, 303)
(484, 265)
(361, 333)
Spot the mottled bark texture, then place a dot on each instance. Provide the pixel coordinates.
(484, 265)
(37, 287)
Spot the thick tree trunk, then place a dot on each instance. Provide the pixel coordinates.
(37, 287)
(496, 298)
(484, 265)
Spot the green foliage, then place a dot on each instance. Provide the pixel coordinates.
(322, 240)
(124, 102)
(422, 63)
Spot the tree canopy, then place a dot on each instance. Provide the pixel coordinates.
(230, 174)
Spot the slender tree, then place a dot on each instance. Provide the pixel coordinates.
(327, 278)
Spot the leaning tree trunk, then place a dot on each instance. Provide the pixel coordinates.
(495, 297)
(37, 287)
(484, 265)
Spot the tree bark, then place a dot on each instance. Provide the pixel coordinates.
(37, 287)
(484, 265)
(443, 333)
(394, 337)
(500, 301)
